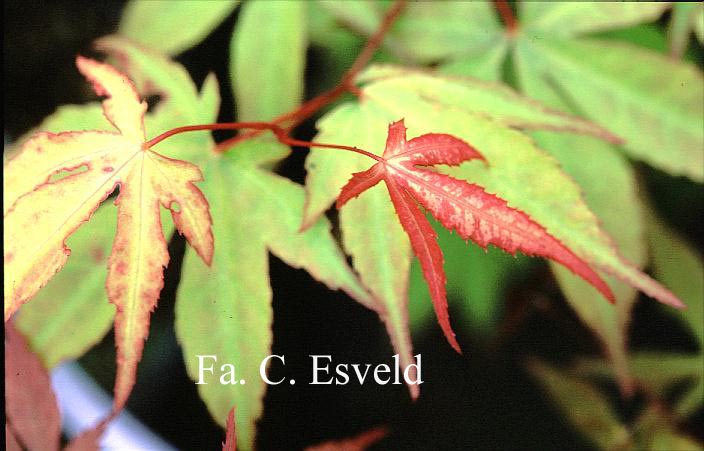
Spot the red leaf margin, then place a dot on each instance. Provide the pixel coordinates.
(475, 214)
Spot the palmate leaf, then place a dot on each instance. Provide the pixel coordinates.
(653, 105)
(381, 259)
(226, 310)
(466, 208)
(517, 171)
(83, 308)
(55, 208)
(237, 282)
(652, 102)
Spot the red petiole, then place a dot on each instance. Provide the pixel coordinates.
(295, 117)
(279, 132)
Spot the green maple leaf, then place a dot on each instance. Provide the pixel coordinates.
(153, 23)
(479, 113)
(442, 25)
(280, 54)
(226, 310)
(653, 102)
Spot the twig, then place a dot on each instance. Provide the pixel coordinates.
(507, 16)
(292, 118)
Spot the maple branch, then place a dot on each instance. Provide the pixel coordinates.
(346, 83)
(507, 16)
(279, 132)
(373, 43)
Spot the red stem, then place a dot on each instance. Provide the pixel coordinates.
(280, 133)
(309, 108)
(507, 16)
(304, 111)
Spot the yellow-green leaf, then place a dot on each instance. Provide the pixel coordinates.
(426, 32)
(55, 207)
(651, 101)
(71, 314)
(575, 18)
(225, 310)
(266, 69)
(173, 26)
(61, 306)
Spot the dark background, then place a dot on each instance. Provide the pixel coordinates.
(482, 400)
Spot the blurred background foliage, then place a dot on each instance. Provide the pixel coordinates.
(539, 371)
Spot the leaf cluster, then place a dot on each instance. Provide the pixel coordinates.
(531, 138)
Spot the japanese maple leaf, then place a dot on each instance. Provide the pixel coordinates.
(43, 209)
(467, 208)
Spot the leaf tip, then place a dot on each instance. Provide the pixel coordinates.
(674, 301)
(230, 443)
(309, 216)
(306, 223)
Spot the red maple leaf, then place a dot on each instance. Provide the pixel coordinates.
(467, 208)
